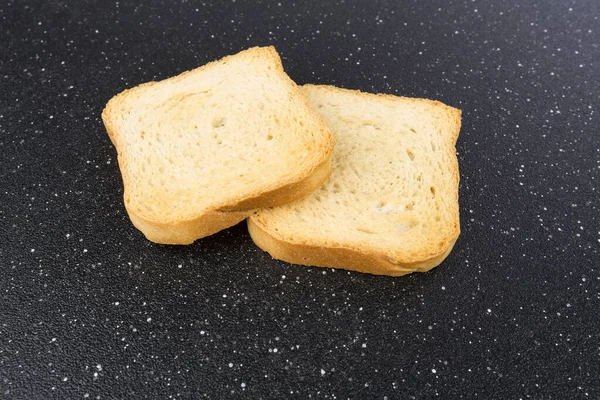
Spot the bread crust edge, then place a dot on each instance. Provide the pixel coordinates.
(212, 221)
(372, 262)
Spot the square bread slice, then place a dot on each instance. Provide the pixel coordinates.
(390, 206)
(198, 152)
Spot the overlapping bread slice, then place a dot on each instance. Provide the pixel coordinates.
(198, 152)
(390, 205)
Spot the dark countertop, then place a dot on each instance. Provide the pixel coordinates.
(90, 309)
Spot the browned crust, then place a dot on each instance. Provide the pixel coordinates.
(360, 260)
(185, 232)
(213, 221)
(366, 259)
(206, 222)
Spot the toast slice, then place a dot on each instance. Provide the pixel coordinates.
(390, 206)
(198, 152)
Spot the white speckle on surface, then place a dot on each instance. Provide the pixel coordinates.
(529, 164)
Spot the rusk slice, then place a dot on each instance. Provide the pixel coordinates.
(198, 152)
(390, 206)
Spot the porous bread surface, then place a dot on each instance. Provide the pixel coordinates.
(228, 137)
(390, 205)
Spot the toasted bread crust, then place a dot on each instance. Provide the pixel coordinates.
(213, 221)
(354, 259)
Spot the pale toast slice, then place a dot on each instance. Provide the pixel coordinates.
(198, 152)
(390, 206)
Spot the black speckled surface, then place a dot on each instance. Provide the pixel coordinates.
(90, 309)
